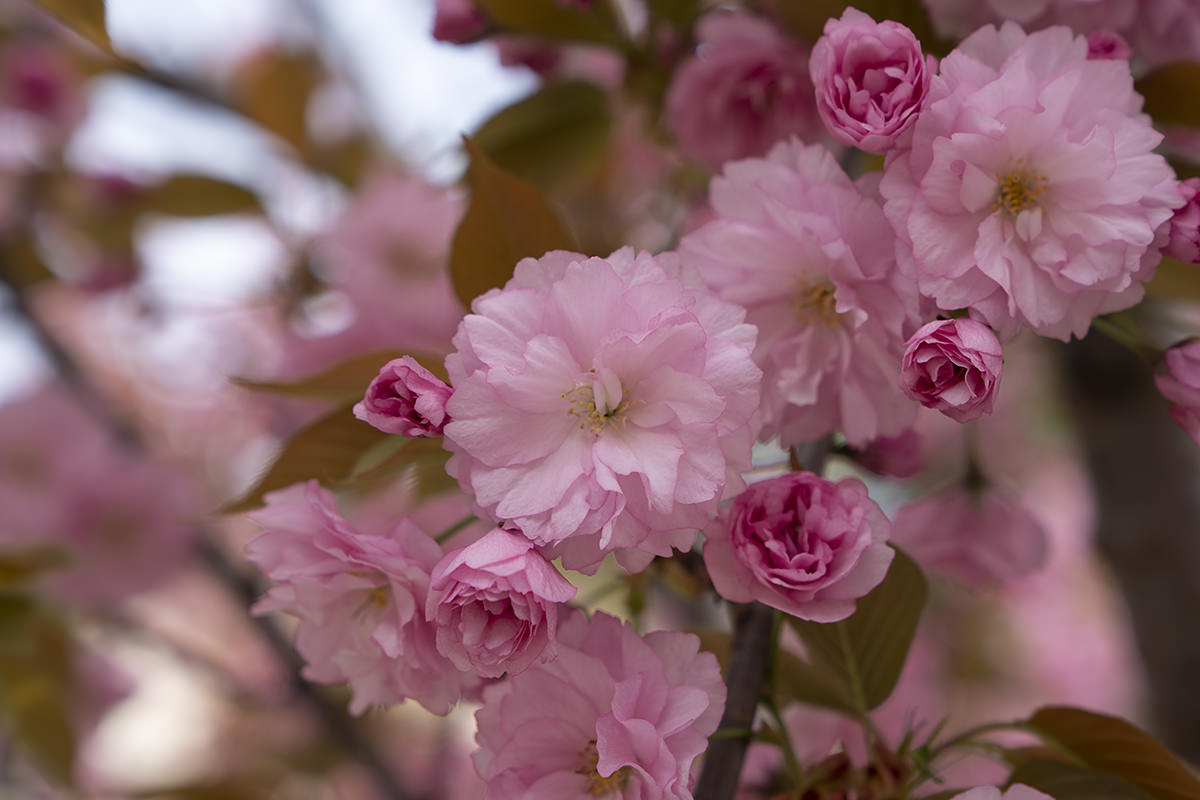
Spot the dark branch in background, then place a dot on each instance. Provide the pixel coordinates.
(338, 726)
(749, 662)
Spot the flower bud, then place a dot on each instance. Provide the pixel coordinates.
(405, 398)
(953, 365)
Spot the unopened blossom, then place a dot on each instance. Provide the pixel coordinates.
(1031, 193)
(871, 79)
(805, 545)
(953, 366)
(975, 536)
(602, 405)
(1017, 791)
(495, 604)
(1180, 384)
(822, 284)
(614, 715)
(1184, 228)
(746, 88)
(359, 598)
(406, 399)
(1107, 45)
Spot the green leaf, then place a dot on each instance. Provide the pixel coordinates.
(507, 220)
(85, 17)
(1170, 91)
(559, 127)
(26, 563)
(680, 12)
(856, 662)
(198, 196)
(798, 681)
(554, 20)
(327, 450)
(1118, 748)
(1069, 782)
(345, 381)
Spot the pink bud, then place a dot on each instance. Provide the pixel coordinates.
(953, 365)
(405, 398)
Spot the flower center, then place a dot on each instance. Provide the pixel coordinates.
(1019, 190)
(599, 403)
(815, 304)
(597, 784)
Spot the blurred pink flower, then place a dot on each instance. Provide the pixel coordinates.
(979, 536)
(360, 599)
(802, 544)
(1184, 227)
(1180, 384)
(615, 713)
(495, 605)
(1017, 791)
(405, 399)
(1031, 194)
(953, 366)
(871, 80)
(899, 456)
(1106, 45)
(746, 88)
(458, 21)
(823, 287)
(602, 405)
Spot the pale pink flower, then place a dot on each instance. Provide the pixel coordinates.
(1180, 384)
(616, 714)
(981, 536)
(953, 366)
(405, 399)
(822, 285)
(871, 80)
(1031, 193)
(805, 545)
(1184, 228)
(1106, 45)
(359, 597)
(602, 405)
(495, 605)
(1017, 791)
(746, 88)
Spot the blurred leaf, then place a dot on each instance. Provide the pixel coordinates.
(85, 17)
(680, 12)
(23, 564)
(1069, 782)
(807, 19)
(327, 449)
(345, 381)
(543, 136)
(1118, 748)
(348, 158)
(855, 663)
(554, 20)
(1175, 280)
(798, 681)
(718, 643)
(22, 266)
(1170, 91)
(507, 220)
(276, 86)
(198, 196)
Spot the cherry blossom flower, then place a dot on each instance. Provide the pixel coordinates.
(1017, 791)
(406, 399)
(1184, 228)
(871, 80)
(805, 545)
(1031, 193)
(832, 308)
(601, 405)
(745, 89)
(1180, 384)
(495, 604)
(953, 366)
(899, 456)
(360, 599)
(1106, 45)
(616, 714)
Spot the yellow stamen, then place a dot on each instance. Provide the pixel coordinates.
(816, 304)
(600, 785)
(1020, 189)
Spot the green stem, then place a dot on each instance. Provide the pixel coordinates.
(794, 767)
(455, 528)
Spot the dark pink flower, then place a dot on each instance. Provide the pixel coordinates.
(1181, 385)
(805, 545)
(898, 456)
(1184, 228)
(1104, 45)
(745, 89)
(458, 21)
(871, 80)
(614, 715)
(406, 399)
(495, 604)
(953, 365)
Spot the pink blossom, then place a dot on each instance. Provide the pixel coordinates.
(898, 456)
(494, 603)
(745, 89)
(360, 599)
(458, 21)
(614, 714)
(1106, 45)
(802, 544)
(871, 79)
(974, 536)
(1031, 193)
(1184, 228)
(406, 399)
(823, 287)
(602, 405)
(1017, 791)
(953, 366)
(1180, 384)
